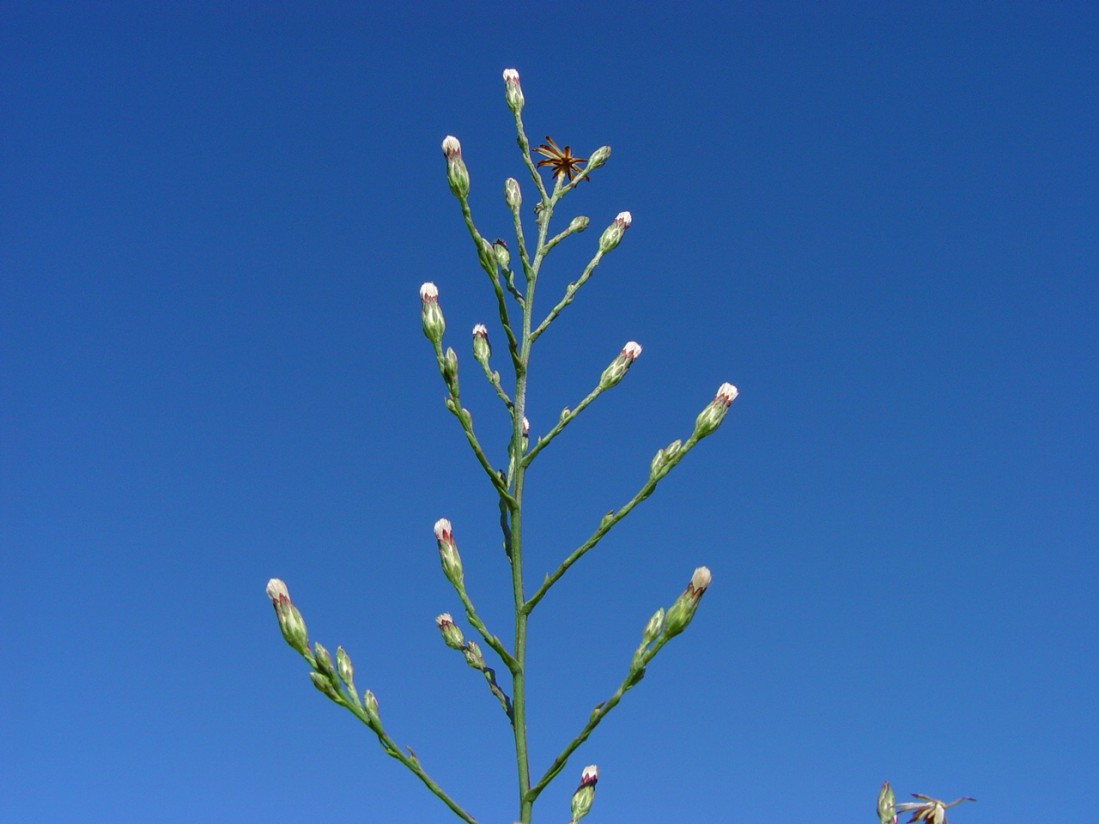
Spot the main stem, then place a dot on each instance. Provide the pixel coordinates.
(519, 692)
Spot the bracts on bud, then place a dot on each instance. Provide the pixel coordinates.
(481, 348)
(612, 235)
(710, 418)
(448, 554)
(513, 92)
(886, 812)
(664, 460)
(431, 314)
(452, 635)
(512, 196)
(680, 613)
(291, 623)
(585, 794)
(456, 173)
(620, 365)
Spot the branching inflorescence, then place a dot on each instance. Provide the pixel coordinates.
(513, 283)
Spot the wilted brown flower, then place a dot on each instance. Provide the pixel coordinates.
(560, 160)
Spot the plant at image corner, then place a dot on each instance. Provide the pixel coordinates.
(513, 280)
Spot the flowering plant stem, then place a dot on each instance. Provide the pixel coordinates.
(335, 681)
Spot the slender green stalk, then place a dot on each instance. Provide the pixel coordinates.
(410, 761)
(604, 527)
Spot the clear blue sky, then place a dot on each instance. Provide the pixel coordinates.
(879, 220)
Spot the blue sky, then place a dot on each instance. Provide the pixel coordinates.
(878, 220)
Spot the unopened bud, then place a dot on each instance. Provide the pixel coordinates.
(886, 798)
(456, 173)
(711, 417)
(620, 365)
(452, 636)
(578, 224)
(345, 670)
(448, 553)
(585, 794)
(481, 348)
(652, 629)
(432, 315)
(612, 235)
(474, 657)
(683, 610)
(324, 660)
(324, 685)
(513, 92)
(664, 460)
(486, 253)
(370, 706)
(291, 624)
(598, 158)
(503, 255)
(512, 196)
(450, 369)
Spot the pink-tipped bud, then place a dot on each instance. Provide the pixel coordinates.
(452, 635)
(291, 624)
(481, 348)
(612, 235)
(620, 365)
(430, 313)
(448, 553)
(680, 613)
(513, 92)
(457, 176)
(711, 417)
(585, 794)
(277, 591)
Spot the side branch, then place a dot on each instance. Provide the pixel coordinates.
(609, 520)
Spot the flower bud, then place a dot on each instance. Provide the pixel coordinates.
(456, 173)
(885, 804)
(324, 660)
(450, 369)
(291, 624)
(370, 706)
(512, 196)
(481, 348)
(578, 224)
(503, 255)
(598, 158)
(683, 610)
(710, 418)
(474, 657)
(664, 460)
(585, 794)
(452, 636)
(612, 235)
(652, 629)
(620, 365)
(448, 553)
(513, 92)
(432, 315)
(345, 670)
(324, 685)
(486, 254)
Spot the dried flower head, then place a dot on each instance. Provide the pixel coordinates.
(560, 160)
(929, 809)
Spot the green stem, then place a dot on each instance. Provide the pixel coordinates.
(605, 526)
(410, 761)
(490, 639)
(636, 673)
(565, 420)
(570, 293)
